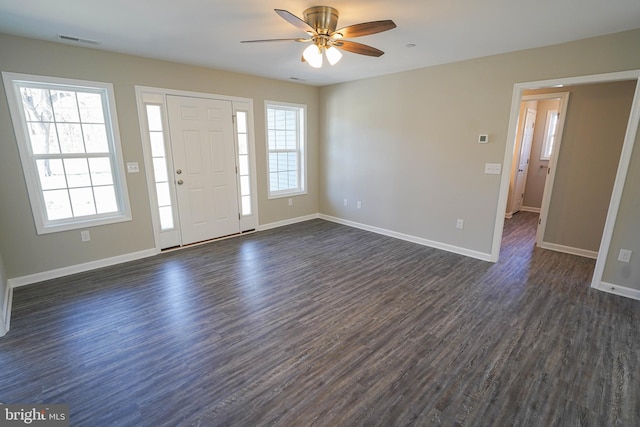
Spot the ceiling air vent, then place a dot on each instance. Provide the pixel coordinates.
(77, 39)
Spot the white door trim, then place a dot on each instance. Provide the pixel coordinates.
(623, 165)
(238, 103)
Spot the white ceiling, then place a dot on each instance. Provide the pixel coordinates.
(208, 32)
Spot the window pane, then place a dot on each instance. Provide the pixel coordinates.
(65, 108)
(37, 104)
(51, 174)
(292, 181)
(105, 199)
(100, 168)
(164, 197)
(157, 144)
(95, 137)
(166, 218)
(90, 105)
(244, 186)
(82, 201)
(246, 205)
(282, 162)
(273, 181)
(69, 150)
(160, 169)
(57, 204)
(241, 119)
(77, 171)
(70, 136)
(43, 137)
(243, 146)
(154, 117)
(244, 165)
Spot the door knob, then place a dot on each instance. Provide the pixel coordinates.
(180, 182)
(178, 171)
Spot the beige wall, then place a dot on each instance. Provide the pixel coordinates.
(626, 233)
(405, 144)
(27, 253)
(587, 163)
(537, 173)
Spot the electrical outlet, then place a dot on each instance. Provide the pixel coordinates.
(359, 204)
(460, 224)
(624, 255)
(85, 235)
(290, 202)
(344, 202)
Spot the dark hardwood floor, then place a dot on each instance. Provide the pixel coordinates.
(322, 324)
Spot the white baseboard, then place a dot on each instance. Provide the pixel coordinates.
(530, 209)
(409, 238)
(569, 250)
(5, 311)
(282, 223)
(79, 268)
(618, 290)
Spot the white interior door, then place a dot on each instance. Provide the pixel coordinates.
(523, 160)
(204, 167)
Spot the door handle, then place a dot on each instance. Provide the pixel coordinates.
(180, 182)
(179, 171)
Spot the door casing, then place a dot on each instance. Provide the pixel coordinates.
(153, 95)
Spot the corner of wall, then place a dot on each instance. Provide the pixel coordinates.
(6, 298)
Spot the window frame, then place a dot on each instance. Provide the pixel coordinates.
(301, 149)
(12, 82)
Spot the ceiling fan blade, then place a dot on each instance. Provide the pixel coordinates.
(295, 21)
(358, 48)
(276, 40)
(366, 28)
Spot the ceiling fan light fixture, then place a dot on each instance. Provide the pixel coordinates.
(313, 55)
(333, 55)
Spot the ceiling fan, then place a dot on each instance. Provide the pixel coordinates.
(320, 24)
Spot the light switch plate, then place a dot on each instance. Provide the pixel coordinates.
(624, 255)
(492, 168)
(133, 167)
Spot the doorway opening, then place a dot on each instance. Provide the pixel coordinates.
(555, 199)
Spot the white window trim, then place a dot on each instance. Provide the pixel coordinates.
(43, 226)
(303, 151)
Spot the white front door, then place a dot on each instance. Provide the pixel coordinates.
(204, 167)
(523, 160)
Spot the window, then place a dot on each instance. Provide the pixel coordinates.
(551, 128)
(285, 142)
(68, 142)
(242, 134)
(160, 174)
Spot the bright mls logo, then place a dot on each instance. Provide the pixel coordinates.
(34, 415)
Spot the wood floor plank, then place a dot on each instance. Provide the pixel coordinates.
(324, 325)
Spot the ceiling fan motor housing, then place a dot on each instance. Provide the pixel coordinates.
(323, 19)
